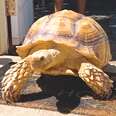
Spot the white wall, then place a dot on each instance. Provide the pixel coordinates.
(3, 29)
(22, 21)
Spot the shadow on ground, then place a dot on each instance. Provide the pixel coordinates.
(8, 63)
(67, 90)
(5, 60)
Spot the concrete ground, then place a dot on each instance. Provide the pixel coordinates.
(6, 110)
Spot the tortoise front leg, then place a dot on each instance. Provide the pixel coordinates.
(96, 79)
(15, 79)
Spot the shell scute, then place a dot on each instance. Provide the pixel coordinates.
(72, 29)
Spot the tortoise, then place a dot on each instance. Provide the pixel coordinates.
(62, 43)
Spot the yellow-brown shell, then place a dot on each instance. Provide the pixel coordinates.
(71, 29)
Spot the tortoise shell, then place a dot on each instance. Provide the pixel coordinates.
(72, 29)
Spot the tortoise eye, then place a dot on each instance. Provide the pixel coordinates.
(42, 58)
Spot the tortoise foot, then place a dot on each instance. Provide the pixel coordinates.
(14, 80)
(96, 79)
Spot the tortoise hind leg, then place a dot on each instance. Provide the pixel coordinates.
(96, 79)
(14, 80)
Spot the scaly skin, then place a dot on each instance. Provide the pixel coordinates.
(96, 79)
(14, 80)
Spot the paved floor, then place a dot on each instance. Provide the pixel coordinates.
(6, 110)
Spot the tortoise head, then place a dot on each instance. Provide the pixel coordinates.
(42, 60)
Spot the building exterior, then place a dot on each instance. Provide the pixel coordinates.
(3, 29)
(16, 16)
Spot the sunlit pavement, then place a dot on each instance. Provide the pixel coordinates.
(6, 110)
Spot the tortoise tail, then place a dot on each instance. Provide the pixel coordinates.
(14, 80)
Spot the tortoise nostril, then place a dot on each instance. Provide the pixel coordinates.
(42, 58)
